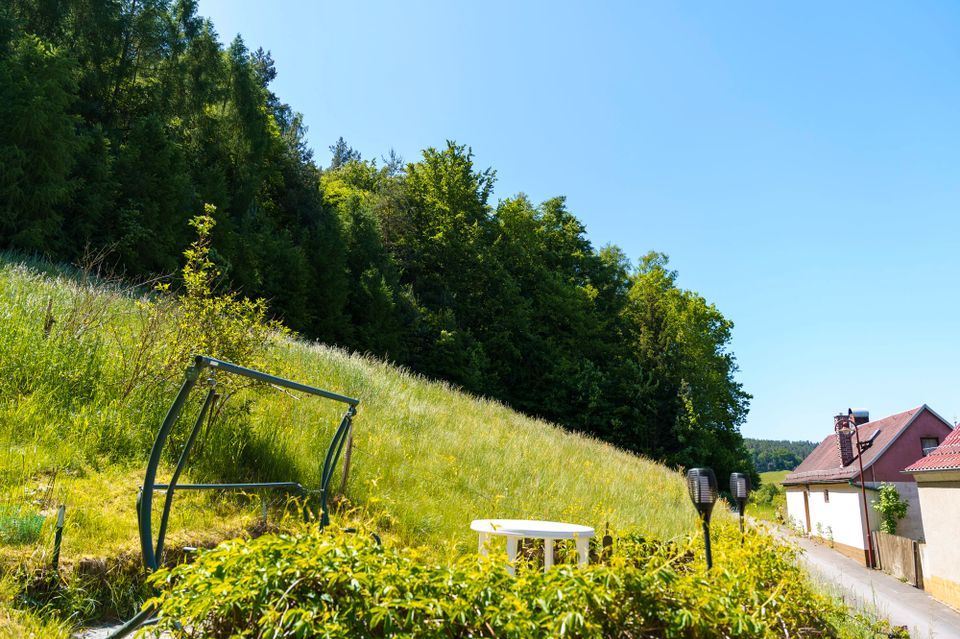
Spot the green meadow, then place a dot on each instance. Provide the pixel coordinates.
(85, 381)
(88, 369)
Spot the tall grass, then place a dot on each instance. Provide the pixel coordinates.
(88, 369)
(86, 377)
(430, 458)
(427, 458)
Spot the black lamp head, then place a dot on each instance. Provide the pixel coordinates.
(739, 486)
(702, 486)
(740, 489)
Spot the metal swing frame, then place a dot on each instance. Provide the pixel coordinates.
(153, 553)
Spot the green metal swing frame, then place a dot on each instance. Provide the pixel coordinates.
(151, 550)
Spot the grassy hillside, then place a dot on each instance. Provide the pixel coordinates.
(88, 371)
(769, 497)
(85, 381)
(774, 476)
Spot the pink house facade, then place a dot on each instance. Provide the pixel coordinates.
(824, 495)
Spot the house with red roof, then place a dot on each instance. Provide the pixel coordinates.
(824, 494)
(938, 485)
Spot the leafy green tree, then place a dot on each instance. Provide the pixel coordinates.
(119, 117)
(154, 199)
(441, 249)
(771, 455)
(342, 153)
(696, 406)
(375, 300)
(38, 142)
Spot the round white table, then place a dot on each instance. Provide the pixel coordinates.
(548, 531)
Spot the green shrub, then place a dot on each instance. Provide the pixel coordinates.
(891, 506)
(326, 584)
(218, 324)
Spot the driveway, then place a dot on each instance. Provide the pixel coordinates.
(874, 590)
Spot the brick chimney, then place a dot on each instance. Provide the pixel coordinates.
(844, 439)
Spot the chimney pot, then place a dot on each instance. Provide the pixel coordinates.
(860, 415)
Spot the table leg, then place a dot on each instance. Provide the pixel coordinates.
(511, 552)
(483, 543)
(583, 547)
(547, 554)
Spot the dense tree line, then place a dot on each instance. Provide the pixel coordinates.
(120, 119)
(769, 454)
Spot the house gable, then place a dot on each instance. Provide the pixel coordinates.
(906, 449)
(897, 445)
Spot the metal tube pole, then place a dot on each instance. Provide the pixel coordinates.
(150, 477)
(172, 485)
(202, 361)
(333, 453)
(863, 493)
(58, 538)
(706, 541)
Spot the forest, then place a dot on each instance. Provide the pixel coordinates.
(121, 119)
(769, 454)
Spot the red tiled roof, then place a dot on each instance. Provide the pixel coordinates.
(945, 457)
(823, 464)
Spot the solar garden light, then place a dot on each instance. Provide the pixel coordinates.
(702, 485)
(740, 490)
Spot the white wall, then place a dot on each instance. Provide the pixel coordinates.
(839, 518)
(795, 513)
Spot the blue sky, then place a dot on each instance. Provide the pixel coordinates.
(799, 163)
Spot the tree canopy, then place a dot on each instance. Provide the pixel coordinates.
(120, 120)
(771, 454)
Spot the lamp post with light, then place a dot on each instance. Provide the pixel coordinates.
(852, 424)
(702, 486)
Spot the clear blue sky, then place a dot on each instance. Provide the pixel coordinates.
(799, 162)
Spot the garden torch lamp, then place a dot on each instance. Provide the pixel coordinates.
(740, 490)
(702, 485)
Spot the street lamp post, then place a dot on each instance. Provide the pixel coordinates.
(851, 421)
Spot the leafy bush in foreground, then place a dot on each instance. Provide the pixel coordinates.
(316, 584)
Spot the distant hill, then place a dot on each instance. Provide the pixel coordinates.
(776, 454)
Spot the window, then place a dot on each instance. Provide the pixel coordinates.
(826, 496)
(927, 444)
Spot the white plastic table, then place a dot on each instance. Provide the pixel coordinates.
(548, 531)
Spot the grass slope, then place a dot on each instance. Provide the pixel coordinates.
(85, 379)
(774, 476)
(770, 497)
(431, 458)
(80, 402)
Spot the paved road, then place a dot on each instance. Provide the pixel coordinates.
(901, 603)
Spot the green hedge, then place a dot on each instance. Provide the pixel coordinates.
(323, 584)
